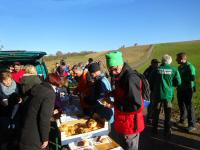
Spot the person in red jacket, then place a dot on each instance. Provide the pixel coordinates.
(128, 102)
(17, 73)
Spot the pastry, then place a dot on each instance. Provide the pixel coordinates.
(91, 123)
(80, 130)
(95, 128)
(83, 143)
(104, 102)
(78, 125)
(70, 131)
(63, 127)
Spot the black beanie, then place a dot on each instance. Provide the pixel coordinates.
(93, 67)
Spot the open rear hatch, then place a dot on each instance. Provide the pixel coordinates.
(7, 58)
(21, 56)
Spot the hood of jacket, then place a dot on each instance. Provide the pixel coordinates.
(28, 82)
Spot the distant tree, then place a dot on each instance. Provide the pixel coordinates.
(123, 46)
(1, 47)
(136, 44)
(59, 53)
(86, 52)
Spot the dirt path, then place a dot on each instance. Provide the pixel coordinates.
(143, 61)
(180, 139)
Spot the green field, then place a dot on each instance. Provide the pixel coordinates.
(192, 49)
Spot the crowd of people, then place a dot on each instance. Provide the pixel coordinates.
(163, 79)
(27, 103)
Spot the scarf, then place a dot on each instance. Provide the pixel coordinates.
(9, 90)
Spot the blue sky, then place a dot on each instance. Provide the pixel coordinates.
(78, 25)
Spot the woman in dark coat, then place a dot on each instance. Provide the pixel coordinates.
(37, 112)
(28, 81)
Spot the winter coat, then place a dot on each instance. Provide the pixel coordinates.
(84, 84)
(27, 82)
(37, 112)
(163, 80)
(84, 88)
(61, 73)
(148, 71)
(100, 88)
(61, 95)
(9, 93)
(128, 102)
(187, 73)
(17, 76)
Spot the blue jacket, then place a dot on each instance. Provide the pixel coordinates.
(101, 87)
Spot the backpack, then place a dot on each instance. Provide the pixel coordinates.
(145, 86)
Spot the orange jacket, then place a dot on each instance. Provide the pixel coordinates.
(83, 85)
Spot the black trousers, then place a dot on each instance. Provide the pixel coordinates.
(185, 106)
(8, 137)
(150, 111)
(157, 105)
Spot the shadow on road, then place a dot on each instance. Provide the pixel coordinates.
(180, 140)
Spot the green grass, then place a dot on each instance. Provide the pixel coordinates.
(192, 49)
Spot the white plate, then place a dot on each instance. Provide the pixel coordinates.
(74, 146)
(97, 142)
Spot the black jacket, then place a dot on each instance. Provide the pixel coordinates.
(148, 71)
(27, 83)
(129, 84)
(99, 89)
(5, 111)
(37, 112)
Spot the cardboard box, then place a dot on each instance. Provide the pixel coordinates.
(74, 138)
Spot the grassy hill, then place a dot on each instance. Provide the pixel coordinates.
(132, 55)
(140, 56)
(192, 49)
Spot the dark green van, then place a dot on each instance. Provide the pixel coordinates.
(7, 58)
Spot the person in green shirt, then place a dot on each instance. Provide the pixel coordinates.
(162, 81)
(185, 91)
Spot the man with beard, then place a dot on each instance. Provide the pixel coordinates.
(185, 91)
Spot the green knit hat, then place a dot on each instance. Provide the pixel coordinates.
(114, 59)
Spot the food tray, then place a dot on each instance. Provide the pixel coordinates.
(96, 142)
(74, 146)
(94, 145)
(78, 137)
